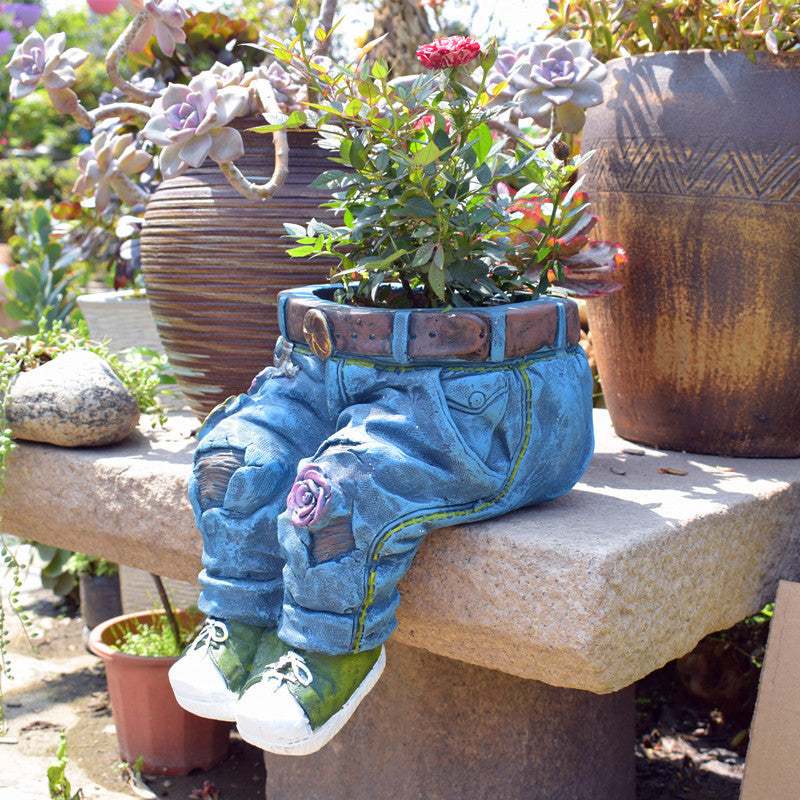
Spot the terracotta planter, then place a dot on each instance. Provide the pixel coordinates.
(696, 173)
(214, 261)
(148, 720)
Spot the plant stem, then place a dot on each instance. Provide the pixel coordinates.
(162, 593)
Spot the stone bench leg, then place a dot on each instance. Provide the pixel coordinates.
(437, 729)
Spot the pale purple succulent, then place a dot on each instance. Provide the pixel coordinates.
(553, 75)
(188, 122)
(228, 75)
(105, 164)
(309, 496)
(288, 91)
(37, 61)
(165, 21)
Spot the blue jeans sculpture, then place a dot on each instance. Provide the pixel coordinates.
(315, 489)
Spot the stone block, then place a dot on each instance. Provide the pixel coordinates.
(438, 729)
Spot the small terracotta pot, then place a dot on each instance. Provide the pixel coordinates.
(149, 721)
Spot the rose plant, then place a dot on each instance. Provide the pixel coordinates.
(427, 219)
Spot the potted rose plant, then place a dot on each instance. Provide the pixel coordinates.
(698, 133)
(439, 379)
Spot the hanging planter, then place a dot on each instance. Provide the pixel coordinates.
(697, 172)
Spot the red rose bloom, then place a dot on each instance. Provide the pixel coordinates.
(450, 52)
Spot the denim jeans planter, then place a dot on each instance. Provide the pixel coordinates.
(379, 426)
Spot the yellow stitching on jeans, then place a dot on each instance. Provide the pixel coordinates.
(444, 515)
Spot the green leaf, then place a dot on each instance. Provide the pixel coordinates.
(482, 142)
(423, 255)
(296, 119)
(437, 277)
(379, 70)
(427, 155)
(442, 140)
(353, 107)
(358, 154)
(382, 161)
(293, 230)
(417, 206)
(25, 284)
(300, 252)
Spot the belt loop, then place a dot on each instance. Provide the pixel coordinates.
(400, 336)
(498, 351)
(282, 301)
(561, 333)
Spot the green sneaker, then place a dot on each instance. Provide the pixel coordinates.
(208, 678)
(299, 702)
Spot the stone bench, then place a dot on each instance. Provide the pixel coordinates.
(519, 638)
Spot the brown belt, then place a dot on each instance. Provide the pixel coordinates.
(428, 335)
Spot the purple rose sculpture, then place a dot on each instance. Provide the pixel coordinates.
(309, 496)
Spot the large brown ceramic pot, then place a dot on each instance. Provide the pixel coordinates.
(213, 263)
(697, 174)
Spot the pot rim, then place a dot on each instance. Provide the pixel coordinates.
(701, 53)
(100, 648)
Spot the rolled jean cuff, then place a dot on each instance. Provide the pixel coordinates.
(253, 602)
(332, 634)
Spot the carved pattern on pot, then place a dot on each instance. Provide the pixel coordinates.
(711, 168)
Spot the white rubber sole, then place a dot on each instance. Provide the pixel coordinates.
(222, 710)
(220, 707)
(250, 728)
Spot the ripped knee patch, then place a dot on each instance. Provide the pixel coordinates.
(213, 472)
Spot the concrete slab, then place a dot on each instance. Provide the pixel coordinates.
(592, 591)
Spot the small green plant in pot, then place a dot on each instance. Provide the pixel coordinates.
(98, 580)
(137, 651)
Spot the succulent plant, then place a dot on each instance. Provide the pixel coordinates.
(164, 19)
(289, 92)
(551, 77)
(38, 61)
(588, 266)
(105, 166)
(653, 26)
(189, 123)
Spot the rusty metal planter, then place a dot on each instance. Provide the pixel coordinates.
(214, 261)
(697, 174)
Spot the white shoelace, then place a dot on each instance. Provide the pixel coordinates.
(290, 667)
(213, 632)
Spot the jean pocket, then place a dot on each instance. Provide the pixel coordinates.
(478, 401)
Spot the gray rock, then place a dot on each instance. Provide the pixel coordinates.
(75, 400)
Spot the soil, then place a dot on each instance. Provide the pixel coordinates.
(686, 746)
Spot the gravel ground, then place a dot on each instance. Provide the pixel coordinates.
(684, 747)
